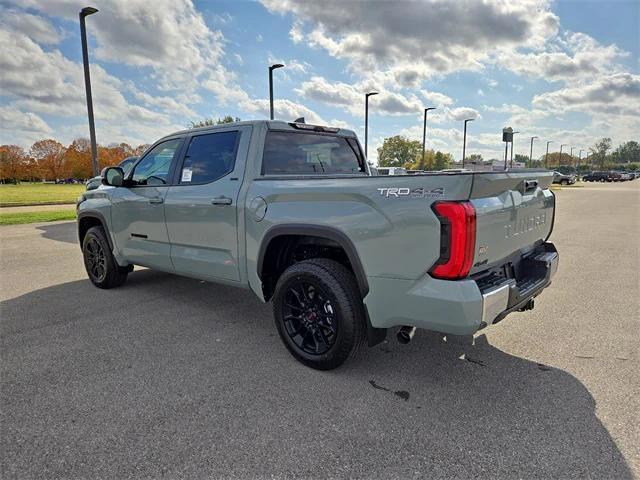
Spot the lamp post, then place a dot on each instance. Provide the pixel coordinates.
(560, 159)
(546, 155)
(580, 156)
(464, 139)
(366, 122)
(571, 156)
(85, 12)
(424, 131)
(271, 69)
(531, 152)
(511, 160)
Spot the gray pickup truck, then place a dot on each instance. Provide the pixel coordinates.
(290, 211)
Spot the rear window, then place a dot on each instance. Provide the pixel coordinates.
(309, 153)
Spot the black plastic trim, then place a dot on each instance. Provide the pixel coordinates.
(97, 215)
(329, 233)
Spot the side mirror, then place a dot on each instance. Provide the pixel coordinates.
(113, 176)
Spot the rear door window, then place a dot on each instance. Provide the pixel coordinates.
(309, 154)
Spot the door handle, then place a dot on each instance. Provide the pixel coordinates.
(156, 200)
(221, 201)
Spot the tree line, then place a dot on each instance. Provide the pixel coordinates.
(49, 159)
(400, 151)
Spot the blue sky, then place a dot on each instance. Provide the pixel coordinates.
(563, 71)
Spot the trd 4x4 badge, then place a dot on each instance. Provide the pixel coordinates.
(419, 192)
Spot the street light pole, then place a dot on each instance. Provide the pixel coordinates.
(511, 160)
(531, 152)
(366, 122)
(560, 159)
(579, 157)
(571, 156)
(85, 12)
(424, 131)
(271, 69)
(464, 139)
(546, 155)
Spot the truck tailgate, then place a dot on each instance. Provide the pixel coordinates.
(514, 213)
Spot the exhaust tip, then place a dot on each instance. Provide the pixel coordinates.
(405, 334)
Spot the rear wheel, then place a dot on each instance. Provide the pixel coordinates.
(564, 182)
(318, 313)
(101, 266)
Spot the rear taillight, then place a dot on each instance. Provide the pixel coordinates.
(457, 239)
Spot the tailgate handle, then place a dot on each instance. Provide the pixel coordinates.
(530, 185)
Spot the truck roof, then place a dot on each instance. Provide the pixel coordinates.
(270, 124)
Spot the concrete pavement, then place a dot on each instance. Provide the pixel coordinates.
(174, 377)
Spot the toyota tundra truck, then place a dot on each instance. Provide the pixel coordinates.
(291, 212)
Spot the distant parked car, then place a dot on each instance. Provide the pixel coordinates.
(125, 165)
(597, 177)
(391, 171)
(563, 179)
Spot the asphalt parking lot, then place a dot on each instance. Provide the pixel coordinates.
(173, 377)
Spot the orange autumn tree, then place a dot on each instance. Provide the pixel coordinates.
(77, 158)
(12, 163)
(50, 157)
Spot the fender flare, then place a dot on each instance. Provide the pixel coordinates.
(374, 335)
(99, 216)
(330, 233)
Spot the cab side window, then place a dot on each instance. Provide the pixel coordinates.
(209, 157)
(153, 169)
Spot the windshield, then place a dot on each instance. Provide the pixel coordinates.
(310, 153)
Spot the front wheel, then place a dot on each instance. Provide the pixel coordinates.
(101, 266)
(564, 182)
(318, 312)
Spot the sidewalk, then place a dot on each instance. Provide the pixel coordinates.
(37, 208)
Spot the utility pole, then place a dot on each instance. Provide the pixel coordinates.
(366, 122)
(85, 12)
(424, 131)
(464, 140)
(546, 155)
(271, 69)
(531, 152)
(511, 161)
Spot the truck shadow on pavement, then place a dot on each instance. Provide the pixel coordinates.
(172, 376)
(60, 232)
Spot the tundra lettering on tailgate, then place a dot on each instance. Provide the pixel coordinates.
(525, 225)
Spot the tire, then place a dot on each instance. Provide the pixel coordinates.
(318, 312)
(564, 182)
(101, 266)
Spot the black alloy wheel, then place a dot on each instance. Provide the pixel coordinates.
(309, 317)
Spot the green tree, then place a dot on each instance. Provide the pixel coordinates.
(628, 152)
(398, 151)
(599, 152)
(207, 122)
(442, 160)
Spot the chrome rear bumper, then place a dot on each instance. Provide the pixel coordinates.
(511, 295)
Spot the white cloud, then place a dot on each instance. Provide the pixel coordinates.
(39, 28)
(613, 94)
(436, 98)
(352, 97)
(21, 128)
(421, 38)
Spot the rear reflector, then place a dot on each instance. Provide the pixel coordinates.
(458, 239)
